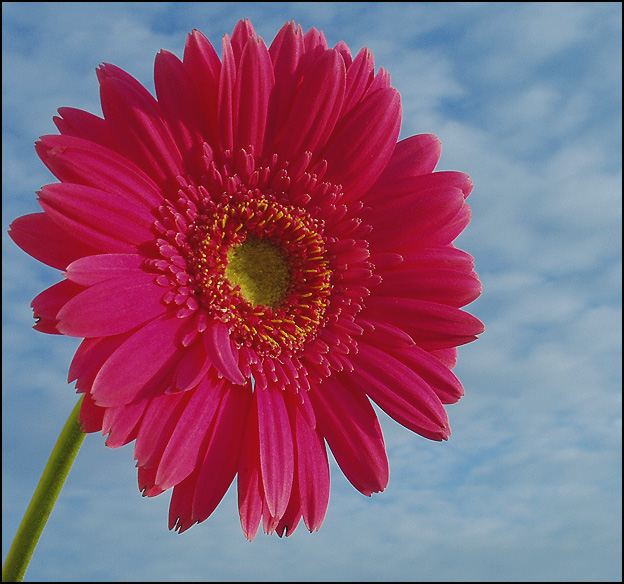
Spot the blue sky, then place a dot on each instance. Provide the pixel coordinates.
(526, 98)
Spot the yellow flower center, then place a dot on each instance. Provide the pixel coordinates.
(260, 270)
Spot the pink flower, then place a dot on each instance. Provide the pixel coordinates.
(251, 258)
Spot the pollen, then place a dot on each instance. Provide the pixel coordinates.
(261, 271)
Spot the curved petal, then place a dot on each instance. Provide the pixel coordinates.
(48, 242)
(363, 142)
(276, 449)
(47, 304)
(220, 352)
(399, 391)
(84, 125)
(180, 456)
(359, 76)
(139, 129)
(91, 270)
(347, 420)
(74, 160)
(250, 492)
(227, 80)
(204, 68)
(98, 218)
(141, 365)
(312, 472)
(315, 108)
(414, 219)
(412, 156)
(254, 84)
(432, 325)
(220, 463)
(179, 101)
(112, 307)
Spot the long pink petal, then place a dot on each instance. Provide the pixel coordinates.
(286, 51)
(47, 242)
(363, 142)
(253, 88)
(180, 456)
(250, 492)
(399, 391)
(415, 218)
(122, 423)
(180, 104)
(157, 425)
(91, 416)
(139, 129)
(431, 325)
(112, 307)
(99, 218)
(91, 270)
(143, 364)
(227, 80)
(219, 351)
(412, 156)
(359, 76)
(204, 67)
(47, 304)
(351, 428)
(80, 124)
(312, 473)
(453, 287)
(315, 108)
(221, 461)
(276, 449)
(80, 161)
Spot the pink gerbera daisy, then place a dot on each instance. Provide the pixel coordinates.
(250, 258)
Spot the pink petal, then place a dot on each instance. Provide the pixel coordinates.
(312, 472)
(351, 428)
(452, 287)
(139, 129)
(415, 218)
(99, 218)
(84, 125)
(47, 242)
(89, 358)
(83, 162)
(276, 449)
(432, 325)
(179, 102)
(204, 68)
(250, 492)
(122, 423)
(251, 95)
(413, 156)
(219, 351)
(142, 364)
(91, 416)
(363, 142)
(180, 456)
(242, 33)
(192, 367)
(399, 391)
(286, 51)
(157, 425)
(112, 307)
(359, 76)
(47, 304)
(225, 115)
(221, 461)
(99, 268)
(434, 371)
(315, 108)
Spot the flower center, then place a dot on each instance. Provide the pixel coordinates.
(261, 271)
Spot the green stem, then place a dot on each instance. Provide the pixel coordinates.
(45, 497)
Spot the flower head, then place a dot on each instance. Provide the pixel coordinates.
(251, 258)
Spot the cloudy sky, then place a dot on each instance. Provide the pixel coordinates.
(526, 98)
